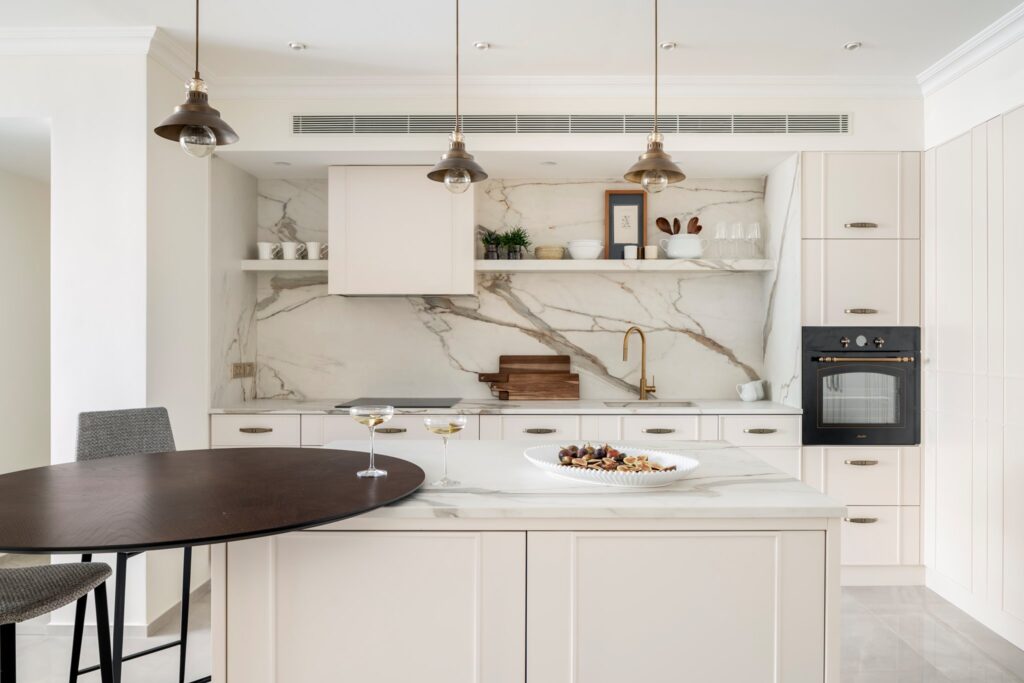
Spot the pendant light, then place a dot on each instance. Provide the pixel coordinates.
(655, 170)
(196, 125)
(457, 170)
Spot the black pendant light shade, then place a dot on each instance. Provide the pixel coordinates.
(195, 124)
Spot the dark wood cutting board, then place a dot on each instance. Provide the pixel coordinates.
(533, 378)
(534, 364)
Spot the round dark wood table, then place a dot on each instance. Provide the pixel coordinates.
(131, 504)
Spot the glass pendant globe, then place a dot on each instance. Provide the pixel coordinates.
(457, 180)
(197, 141)
(654, 181)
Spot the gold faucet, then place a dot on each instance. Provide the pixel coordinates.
(645, 388)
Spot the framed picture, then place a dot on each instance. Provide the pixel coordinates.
(625, 218)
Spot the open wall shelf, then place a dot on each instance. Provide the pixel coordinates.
(622, 266)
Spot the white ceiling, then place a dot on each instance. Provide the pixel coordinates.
(396, 38)
(25, 147)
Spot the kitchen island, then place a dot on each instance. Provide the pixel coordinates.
(730, 575)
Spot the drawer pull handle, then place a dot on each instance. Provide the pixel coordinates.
(539, 430)
(861, 463)
(659, 430)
(860, 225)
(861, 520)
(760, 430)
(255, 430)
(391, 430)
(862, 311)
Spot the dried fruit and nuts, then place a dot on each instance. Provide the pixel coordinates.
(605, 457)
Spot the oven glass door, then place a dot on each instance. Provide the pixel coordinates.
(860, 396)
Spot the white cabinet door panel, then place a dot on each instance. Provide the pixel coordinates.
(541, 427)
(254, 430)
(761, 430)
(729, 607)
(660, 427)
(881, 535)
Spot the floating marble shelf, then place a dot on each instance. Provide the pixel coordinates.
(282, 265)
(622, 266)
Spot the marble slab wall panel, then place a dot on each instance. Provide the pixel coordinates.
(705, 330)
(782, 336)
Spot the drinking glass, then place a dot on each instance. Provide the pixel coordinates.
(754, 238)
(372, 417)
(445, 426)
(721, 237)
(736, 236)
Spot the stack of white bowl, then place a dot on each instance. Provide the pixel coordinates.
(586, 249)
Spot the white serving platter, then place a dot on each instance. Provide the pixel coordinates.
(546, 458)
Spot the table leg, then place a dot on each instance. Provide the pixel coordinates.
(186, 586)
(118, 644)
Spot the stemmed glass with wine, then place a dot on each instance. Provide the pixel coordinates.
(445, 426)
(372, 417)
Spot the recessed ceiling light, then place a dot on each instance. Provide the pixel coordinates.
(481, 45)
(668, 45)
(297, 46)
(549, 163)
(853, 45)
(282, 163)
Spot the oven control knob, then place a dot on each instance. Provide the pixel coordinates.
(845, 342)
(879, 342)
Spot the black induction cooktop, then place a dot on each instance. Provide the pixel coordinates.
(400, 402)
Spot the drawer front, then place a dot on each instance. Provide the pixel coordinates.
(340, 427)
(784, 459)
(872, 476)
(254, 430)
(881, 535)
(660, 427)
(540, 427)
(761, 430)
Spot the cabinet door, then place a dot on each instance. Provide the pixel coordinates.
(862, 282)
(393, 231)
(254, 430)
(377, 607)
(540, 427)
(730, 607)
(881, 535)
(862, 195)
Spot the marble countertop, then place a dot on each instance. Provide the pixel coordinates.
(496, 481)
(498, 407)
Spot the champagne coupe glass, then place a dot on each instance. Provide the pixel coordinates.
(372, 417)
(754, 237)
(445, 426)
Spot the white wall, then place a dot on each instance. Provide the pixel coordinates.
(25, 318)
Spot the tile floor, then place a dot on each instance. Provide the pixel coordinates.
(890, 635)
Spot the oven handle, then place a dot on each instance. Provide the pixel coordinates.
(861, 359)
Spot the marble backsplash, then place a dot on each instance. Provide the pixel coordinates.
(705, 330)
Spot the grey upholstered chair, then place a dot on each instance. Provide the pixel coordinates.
(33, 591)
(116, 433)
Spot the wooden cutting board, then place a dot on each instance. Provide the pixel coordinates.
(533, 378)
(534, 364)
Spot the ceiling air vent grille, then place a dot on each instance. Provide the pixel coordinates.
(694, 124)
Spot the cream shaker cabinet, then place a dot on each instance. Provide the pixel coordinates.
(394, 232)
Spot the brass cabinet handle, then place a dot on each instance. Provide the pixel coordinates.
(861, 311)
(860, 225)
(760, 430)
(860, 520)
(861, 463)
(659, 430)
(539, 430)
(391, 430)
(255, 430)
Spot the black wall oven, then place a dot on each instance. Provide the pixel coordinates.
(861, 386)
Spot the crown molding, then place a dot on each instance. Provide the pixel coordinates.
(994, 38)
(42, 41)
(173, 56)
(386, 87)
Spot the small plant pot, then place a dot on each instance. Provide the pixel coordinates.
(490, 252)
(515, 253)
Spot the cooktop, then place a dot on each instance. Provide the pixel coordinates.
(400, 402)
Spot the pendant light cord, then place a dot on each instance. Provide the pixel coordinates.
(655, 65)
(197, 40)
(458, 126)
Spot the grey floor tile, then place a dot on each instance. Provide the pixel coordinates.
(869, 647)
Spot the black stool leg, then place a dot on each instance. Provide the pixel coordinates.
(186, 585)
(8, 671)
(103, 634)
(76, 638)
(117, 651)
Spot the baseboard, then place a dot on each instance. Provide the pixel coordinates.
(171, 615)
(977, 607)
(882, 576)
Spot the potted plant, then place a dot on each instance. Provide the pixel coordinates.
(490, 240)
(515, 240)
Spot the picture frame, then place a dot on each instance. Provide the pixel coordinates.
(625, 221)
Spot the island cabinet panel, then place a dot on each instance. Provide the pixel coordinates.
(393, 231)
(377, 607)
(661, 607)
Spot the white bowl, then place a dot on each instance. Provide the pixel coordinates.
(546, 458)
(585, 251)
(586, 242)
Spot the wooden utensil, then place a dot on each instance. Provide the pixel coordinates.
(663, 225)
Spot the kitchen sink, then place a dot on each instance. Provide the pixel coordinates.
(650, 404)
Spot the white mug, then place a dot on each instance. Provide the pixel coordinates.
(314, 251)
(267, 250)
(629, 252)
(751, 391)
(292, 250)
